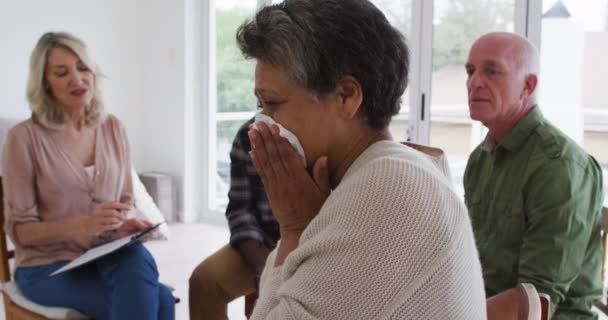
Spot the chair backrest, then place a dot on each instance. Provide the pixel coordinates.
(5, 254)
(545, 304)
(604, 223)
(530, 307)
(12, 310)
(250, 301)
(521, 303)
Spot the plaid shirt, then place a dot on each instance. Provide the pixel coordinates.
(248, 212)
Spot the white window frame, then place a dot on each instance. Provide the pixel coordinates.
(527, 22)
(201, 197)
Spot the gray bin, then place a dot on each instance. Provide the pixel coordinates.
(160, 188)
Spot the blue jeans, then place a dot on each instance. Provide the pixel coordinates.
(121, 285)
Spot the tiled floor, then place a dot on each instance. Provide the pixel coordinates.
(188, 245)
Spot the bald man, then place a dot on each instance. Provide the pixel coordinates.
(533, 194)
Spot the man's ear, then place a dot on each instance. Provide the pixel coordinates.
(530, 84)
(350, 96)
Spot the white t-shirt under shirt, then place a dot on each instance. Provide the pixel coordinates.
(90, 171)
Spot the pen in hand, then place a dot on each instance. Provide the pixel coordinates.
(121, 214)
(107, 220)
(141, 234)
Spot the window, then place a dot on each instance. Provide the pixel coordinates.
(439, 34)
(456, 24)
(235, 100)
(399, 13)
(573, 93)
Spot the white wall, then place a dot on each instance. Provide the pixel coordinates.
(561, 75)
(596, 50)
(140, 45)
(111, 28)
(165, 88)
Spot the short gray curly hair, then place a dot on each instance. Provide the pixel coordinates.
(317, 42)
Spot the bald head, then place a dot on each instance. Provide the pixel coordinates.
(521, 49)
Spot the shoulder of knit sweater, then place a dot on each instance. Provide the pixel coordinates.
(393, 150)
(401, 189)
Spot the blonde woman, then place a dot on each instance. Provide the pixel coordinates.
(67, 182)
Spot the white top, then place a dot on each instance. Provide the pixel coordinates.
(392, 241)
(90, 171)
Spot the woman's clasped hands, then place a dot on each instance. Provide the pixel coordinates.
(295, 197)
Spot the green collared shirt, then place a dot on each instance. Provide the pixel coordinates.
(534, 201)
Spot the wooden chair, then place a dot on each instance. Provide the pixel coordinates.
(545, 303)
(13, 311)
(534, 305)
(529, 304)
(602, 303)
(250, 301)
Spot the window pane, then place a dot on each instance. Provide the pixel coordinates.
(235, 99)
(456, 24)
(577, 73)
(399, 14)
(234, 73)
(226, 130)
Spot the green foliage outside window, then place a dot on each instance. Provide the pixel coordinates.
(457, 24)
(234, 73)
(464, 21)
(234, 80)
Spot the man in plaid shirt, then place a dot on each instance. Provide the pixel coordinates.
(234, 270)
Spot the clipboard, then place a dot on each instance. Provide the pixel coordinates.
(104, 249)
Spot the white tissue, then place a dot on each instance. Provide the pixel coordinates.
(293, 140)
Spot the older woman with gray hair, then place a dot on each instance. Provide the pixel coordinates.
(370, 228)
(67, 183)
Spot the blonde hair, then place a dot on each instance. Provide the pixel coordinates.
(45, 109)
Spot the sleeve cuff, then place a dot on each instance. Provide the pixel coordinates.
(15, 217)
(250, 234)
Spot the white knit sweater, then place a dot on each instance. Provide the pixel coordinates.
(393, 241)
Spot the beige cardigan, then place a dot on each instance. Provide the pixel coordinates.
(42, 181)
(392, 241)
